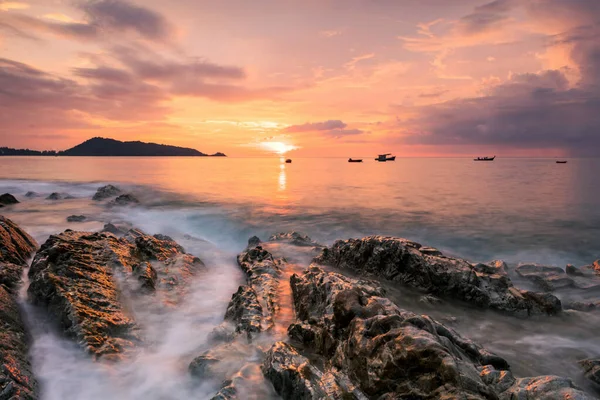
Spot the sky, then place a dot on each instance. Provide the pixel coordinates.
(312, 78)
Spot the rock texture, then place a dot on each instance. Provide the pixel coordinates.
(592, 370)
(544, 277)
(402, 261)
(59, 196)
(363, 346)
(7, 199)
(16, 377)
(106, 192)
(16, 246)
(73, 277)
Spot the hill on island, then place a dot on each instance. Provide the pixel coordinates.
(102, 147)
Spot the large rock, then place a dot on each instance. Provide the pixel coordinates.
(16, 246)
(125, 200)
(76, 218)
(73, 276)
(7, 199)
(356, 335)
(402, 260)
(106, 192)
(592, 370)
(16, 377)
(295, 238)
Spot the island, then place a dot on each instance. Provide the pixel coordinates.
(104, 147)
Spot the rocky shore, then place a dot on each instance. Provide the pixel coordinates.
(325, 329)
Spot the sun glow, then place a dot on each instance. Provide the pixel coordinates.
(277, 147)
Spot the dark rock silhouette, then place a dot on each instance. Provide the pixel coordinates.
(124, 200)
(76, 218)
(59, 196)
(106, 192)
(7, 199)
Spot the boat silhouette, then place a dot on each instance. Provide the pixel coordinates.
(484, 158)
(384, 157)
(355, 160)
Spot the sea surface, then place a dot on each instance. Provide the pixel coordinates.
(515, 209)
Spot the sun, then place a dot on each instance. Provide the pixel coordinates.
(277, 147)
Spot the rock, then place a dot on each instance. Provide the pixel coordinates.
(30, 194)
(253, 242)
(295, 238)
(545, 277)
(59, 196)
(72, 276)
(497, 267)
(124, 200)
(118, 230)
(591, 369)
(16, 246)
(573, 270)
(200, 366)
(294, 377)
(106, 192)
(245, 311)
(429, 299)
(536, 388)
(402, 261)
(76, 218)
(8, 199)
(581, 306)
(369, 347)
(16, 376)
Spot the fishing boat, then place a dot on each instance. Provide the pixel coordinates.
(561, 162)
(385, 157)
(484, 158)
(288, 161)
(355, 160)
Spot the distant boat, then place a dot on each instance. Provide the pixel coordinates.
(561, 162)
(356, 160)
(484, 158)
(288, 161)
(384, 157)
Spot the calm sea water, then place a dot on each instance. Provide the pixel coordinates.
(530, 210)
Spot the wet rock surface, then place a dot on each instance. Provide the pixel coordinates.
(544, 277)
(16, 246)
(7, 199)
(106, 192)
(401, 260)
(16, 376)
(369, 348)
(73, 277)
(591, 369)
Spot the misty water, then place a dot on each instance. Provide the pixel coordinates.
(518, 210)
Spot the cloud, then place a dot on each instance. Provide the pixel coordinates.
(433, 95)
(316, 126)
(13, 5)
(486, 17)
(101, 18)
(339, 133)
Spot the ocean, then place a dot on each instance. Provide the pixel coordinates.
(515, 209)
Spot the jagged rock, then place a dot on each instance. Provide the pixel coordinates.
(255, 303)
(591, 369)
(294, 377)
(124, 200)
(295, 238)
(16, 246)
(7, 199)
(106, 192)
(401, 260)
(200, 366)
(30, 194)
(76, 218)
(16, 376)
(352, 331)
(594, 267)
(546, 278)
(72, 276)
(573, 270)
(429, 299)
(497, 267)
(59, 196)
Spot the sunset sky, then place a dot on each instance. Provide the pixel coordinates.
(312, 77)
